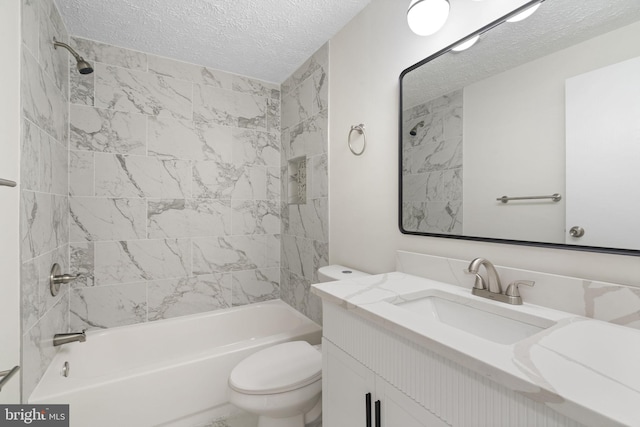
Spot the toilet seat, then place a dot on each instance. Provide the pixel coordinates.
(278, 369)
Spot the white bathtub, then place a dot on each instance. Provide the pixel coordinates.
(166, 373)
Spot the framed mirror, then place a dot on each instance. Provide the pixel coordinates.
(532, 135)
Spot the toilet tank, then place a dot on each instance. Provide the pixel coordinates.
(335, 272)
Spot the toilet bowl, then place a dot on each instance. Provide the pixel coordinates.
(281, 384)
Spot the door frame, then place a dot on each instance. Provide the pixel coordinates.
(10, 119)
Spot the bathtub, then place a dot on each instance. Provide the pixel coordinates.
(166, 373)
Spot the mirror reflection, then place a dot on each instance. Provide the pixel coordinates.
(545, 111)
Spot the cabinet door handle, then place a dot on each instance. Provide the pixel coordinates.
(367, 404)
(378, 417)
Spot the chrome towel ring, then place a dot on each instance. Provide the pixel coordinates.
(360, 129)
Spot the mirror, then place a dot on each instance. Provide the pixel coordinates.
(544, 112)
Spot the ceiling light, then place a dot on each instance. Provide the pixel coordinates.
(426, 17)
(524, 14)
(466, 44)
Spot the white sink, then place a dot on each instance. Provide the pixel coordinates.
(498, 324)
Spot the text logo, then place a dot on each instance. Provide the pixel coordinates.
(34, 415)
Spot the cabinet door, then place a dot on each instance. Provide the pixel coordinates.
(345, 384)
(398, 409)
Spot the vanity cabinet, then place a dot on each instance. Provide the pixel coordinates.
(416, 387)
(354, 396)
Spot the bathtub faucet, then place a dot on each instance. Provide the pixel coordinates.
(59, 339)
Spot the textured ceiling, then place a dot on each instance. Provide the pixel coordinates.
(264, 39)
(554, 26)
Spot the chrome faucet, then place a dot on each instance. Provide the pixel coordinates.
(59, 339)
(492, 288)
(493, 279)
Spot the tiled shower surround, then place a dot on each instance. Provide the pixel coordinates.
(432, 161)
(305, 229)
(43, 183)
(160, 183)
(174, 188)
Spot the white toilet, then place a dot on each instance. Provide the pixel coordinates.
(283, 384)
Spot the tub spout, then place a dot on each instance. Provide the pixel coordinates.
(59, 339)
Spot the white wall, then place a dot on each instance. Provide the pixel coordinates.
(366, 59)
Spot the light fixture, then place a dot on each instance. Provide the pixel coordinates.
(425, 17)
(524, 14)
(466, 44)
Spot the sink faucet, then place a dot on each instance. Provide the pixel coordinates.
(493, 279)
(59, 339)
(492, 288)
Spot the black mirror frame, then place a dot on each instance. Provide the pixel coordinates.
(616, 251)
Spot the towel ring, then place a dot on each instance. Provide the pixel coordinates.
(360, 129)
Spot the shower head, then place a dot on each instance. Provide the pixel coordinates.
(83, 66)
(414, 130)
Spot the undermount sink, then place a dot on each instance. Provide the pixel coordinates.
(506, 327)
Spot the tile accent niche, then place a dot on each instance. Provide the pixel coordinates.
(174, 188)
(43, 185)
(305, 231)
(297, 176)
(432, 166)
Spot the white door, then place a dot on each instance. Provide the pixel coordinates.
(603, 156)
(10, 197)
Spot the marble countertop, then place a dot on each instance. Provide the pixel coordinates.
(586, 369)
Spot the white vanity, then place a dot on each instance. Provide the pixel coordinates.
(416, 348)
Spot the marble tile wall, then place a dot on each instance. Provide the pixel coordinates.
(174, 188)
(432, 161)
(305, 232)
(44, 202)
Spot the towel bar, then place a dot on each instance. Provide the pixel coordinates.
(555, 197)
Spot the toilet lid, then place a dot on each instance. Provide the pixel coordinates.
(283, 367)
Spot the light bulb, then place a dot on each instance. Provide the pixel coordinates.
(426, 17)
(524, 14)
(465, 45)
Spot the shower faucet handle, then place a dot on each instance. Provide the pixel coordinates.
(65, 278)
(56, 278)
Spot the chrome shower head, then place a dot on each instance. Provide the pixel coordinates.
(414, 131)
(83, 66)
